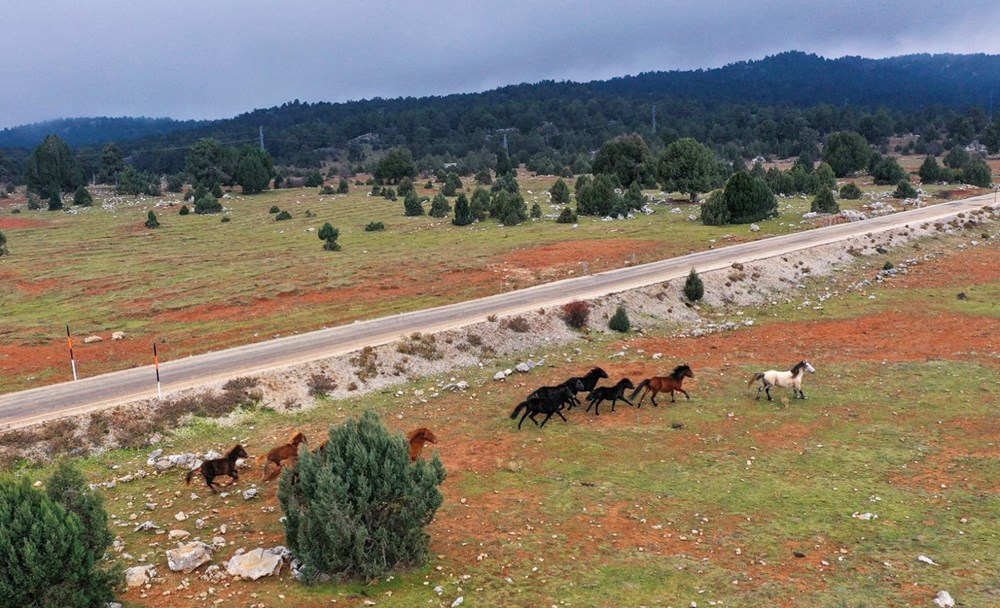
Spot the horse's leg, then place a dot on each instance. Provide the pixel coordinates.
(561, 416)
(208, 481)
(547, 416)
(759, 389)
(768, 391)
(625, 399)
(652, 397)
(672, 398)
(686, 395)
(520, 422)
(802, 394)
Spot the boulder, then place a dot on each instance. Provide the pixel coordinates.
(137, 576)
(117, 336)
(256, 564)
(187, 557)
(92, 339)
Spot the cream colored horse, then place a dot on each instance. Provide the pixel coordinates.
(790, 379)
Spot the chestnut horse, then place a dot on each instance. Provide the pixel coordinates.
(790, 379)
(417, 438)
(210, 469)
(282, 452)
(662, 384)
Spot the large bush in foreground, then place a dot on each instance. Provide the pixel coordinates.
(49, 560)
(359, 507)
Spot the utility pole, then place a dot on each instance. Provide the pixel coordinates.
(261, 130)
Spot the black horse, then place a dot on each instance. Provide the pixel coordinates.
(573, 385)
(210, 469)
(548, 405)
(591, 378)
(609, 393)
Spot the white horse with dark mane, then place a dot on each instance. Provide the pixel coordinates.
(791, 379)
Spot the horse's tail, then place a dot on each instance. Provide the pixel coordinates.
(642, 385)
(261, 458)
(756, 378)
(187, 480)
(518, 409)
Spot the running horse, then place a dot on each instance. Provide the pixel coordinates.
(662, 384)
(790, 379)
(210, 469)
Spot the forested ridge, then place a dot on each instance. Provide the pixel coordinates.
(778, 106)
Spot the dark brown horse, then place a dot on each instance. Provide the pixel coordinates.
(417, 439)
(282, 452)
(662, 384)
(609, 393)
(210, 469)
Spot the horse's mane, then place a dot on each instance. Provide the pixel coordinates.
(298, 438)
(678, 370)
(798, 366)
(597, 372)
(234, 450)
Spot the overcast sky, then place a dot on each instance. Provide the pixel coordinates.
(219, 58)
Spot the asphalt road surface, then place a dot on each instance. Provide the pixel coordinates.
(88, 394)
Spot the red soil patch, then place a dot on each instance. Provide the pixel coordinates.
(599, 254)
(16, 222)
(953, 269)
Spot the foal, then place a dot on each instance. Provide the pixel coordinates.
(282, 452)
(539, 405)
(210, 469)
(417, 438)
(790, 379)
(612, 393)
(662, 384)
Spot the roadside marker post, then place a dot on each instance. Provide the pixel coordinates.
(72, 359)
(156, 364)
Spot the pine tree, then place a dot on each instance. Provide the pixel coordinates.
(694, 289)
(412, 205)
(566, 216)
(343, 187)
(748, 199)
(360, 506)
(824, 203)
(463, 213)
(850, 191)
(439, 206)
(82, 197)
(536, 211)
(329, 235)
(55, 199)
(714, 211)
(151, 221)
(68, 487)
(620, 322)
(480, 204)
(49, 559)
(904, 189)
(559, 192)
(52, 168)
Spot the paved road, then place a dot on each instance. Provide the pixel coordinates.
(31, 406)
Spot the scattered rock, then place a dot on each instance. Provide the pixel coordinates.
(92, 339)
(256, 564)
(798, 554)
(524, 367)
(117, 336)
(677, 425)
(499, 376)
(146, 526)
(754, 228)
(187, 557)
(178, 534)
(926, 560)
(181, 516)
(137, 576)
(961, 296)
(458, 602)
(864, 516)
(249, 493)
(944, 600)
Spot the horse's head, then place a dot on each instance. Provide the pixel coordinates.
(625, 383)
(809, 368)
(237, 452)
(298, 438)
(422, 434)
(578, 385)
(600, 373)
(683, 371)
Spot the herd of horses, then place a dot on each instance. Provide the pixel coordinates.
(546, 400)
(553, 400)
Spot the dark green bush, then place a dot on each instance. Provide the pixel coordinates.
(274, 209)
(566, 216)
(904, 189)
(824, 202)
(82, 197)
(536, 211)
(151, 221)
(184, 210)
(207, 204)
(283, 215)
(694, 289)
(620, 322)
(374, 227)
(359, 507)
(51, 552)
(850, 191)
(329, 235)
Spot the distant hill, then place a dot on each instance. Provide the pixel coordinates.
(92, 131)
(778, 105)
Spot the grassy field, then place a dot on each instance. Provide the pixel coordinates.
(198, 284)
(749, 503)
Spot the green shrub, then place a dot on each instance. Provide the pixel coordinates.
(888, 266)
(329, 235)
(566, 216)
(824, 202)
(327, 190)
(694, 289)
(850, 191)
(714, 211)
(225, 219)
(374, 227)
(68, 487)
(55, 201)
(619, 322)
(342, 186)
(217, 190)
(207, 204)
(575, 314)
(904, 189)
(359, 507)
(536, 211)
(151, 221)
(82, 197)
(412, 205)
(51, 551)
(184, 210)
(274, 209)
(439, 206)
(283, 215)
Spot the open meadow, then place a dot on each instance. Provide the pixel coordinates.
(716, 501)
(198, 284)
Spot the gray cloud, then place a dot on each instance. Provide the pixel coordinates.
(187, 59)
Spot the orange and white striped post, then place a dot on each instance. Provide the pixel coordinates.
(156, 363)
(72, 359)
